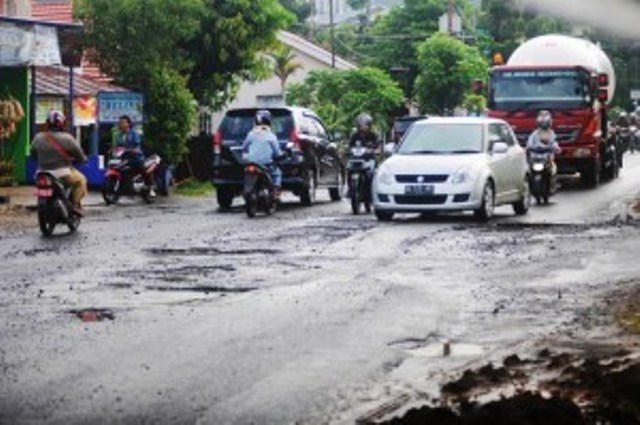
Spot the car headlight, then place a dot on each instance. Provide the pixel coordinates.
(385, 176)
(538, 167)
(461, 177)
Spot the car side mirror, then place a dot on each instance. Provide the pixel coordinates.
(499, 148)
(389, 149)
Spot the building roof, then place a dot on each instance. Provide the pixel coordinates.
(53, 81)
(52, 11)
(319, 53)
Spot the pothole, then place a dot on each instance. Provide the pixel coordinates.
(93, 314)
(201, 251)
(201, 288)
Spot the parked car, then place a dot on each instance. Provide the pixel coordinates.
(402, 124)
(314, 162)
(454, 164)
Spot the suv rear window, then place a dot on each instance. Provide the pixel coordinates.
(237, 124)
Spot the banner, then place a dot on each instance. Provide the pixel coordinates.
(111, 106)
(85, 110)
(24, 45)
(46, 104)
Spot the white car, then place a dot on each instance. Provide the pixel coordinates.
(454, 164)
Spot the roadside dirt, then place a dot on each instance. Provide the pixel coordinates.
(583, 386)
(14, 218)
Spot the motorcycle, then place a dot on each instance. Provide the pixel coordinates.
(122, 178)
(543, 182)
(360, 168)
(54, 204)
(258, 190)
(627, 136)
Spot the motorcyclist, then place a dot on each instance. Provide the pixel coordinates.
(544, 137)
(130, 140)
(364, 133)
(261, 147)
(367, 138)
(55, 150)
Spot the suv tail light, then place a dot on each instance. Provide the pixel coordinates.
(295, 139)
(42, 182)
(217, 143)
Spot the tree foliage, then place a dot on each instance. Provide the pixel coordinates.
(226, 48)
(284, 64)
(447, 68)
(340, 96)
(175, 51)
(170, 110)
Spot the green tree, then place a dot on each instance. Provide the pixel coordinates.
(300, 8)
(447, 68)
(201, 47)
(170, 110)
(340, 96)
(284, 64)
(225, 50)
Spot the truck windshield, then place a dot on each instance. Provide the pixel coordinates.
(537, 89)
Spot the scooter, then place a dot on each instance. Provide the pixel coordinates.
(54, 204)
(258, 192)
(543, 180)
(360, 170)
(122, 178)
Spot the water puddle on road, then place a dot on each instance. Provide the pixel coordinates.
(446, 349)
(90, 315)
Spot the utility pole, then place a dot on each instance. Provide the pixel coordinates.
(333, 35)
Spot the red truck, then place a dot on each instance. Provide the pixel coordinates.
(574, 79)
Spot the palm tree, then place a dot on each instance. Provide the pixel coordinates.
(283, 64)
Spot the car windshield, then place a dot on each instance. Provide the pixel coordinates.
(438, 139)
(237, 124)
(533, 90)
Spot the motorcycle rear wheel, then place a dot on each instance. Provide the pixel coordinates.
(47, 226)
(251, 205)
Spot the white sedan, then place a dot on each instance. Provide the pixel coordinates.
(454, 164)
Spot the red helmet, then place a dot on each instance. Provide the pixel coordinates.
(56, 120)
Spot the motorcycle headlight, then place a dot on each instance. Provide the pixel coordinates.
(461, 177)
(538, 167)
(385, 176)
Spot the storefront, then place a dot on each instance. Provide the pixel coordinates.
(38, 61)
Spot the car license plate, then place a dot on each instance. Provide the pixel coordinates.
(44, 193)
(419, 189)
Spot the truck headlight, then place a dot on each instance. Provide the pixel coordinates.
(582, 153)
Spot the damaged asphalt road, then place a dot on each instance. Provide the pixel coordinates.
(178, 314)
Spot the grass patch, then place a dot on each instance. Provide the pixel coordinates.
(194, 188)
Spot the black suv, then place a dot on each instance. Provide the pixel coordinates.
(315, 161)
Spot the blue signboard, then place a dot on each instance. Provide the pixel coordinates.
(113, 105)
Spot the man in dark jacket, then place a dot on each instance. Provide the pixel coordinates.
(56, 151)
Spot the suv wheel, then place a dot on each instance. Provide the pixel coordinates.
(335, 193)
(224, 197)
(308, 194)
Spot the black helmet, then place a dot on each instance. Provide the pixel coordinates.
(56, 121)
(263, 117)
(544, 120)
(364, 121)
